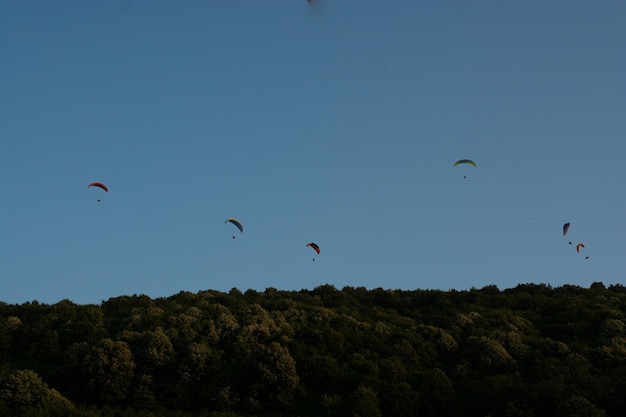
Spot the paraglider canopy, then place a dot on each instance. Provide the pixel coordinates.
(314, 246)
(565, 228)
(579, 246)
(465, 161)
(99, 184)
(236, 223)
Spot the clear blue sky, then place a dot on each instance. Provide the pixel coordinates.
(336, 122)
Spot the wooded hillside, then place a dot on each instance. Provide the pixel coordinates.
(532, 350)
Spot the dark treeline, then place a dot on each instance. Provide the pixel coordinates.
(530, 351)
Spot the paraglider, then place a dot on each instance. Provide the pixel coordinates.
(236, 223)
(315, 247)
(464, 161)
(566, 229)
(579, 247)
(99, 185)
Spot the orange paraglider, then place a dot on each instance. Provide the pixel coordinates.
(315, 247)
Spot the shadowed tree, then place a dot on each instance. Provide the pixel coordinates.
(365, 403)
(275, 380)
(107, 369)
(23, 391)
(578, 406)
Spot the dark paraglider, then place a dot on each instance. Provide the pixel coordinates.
(99, 185)
(236, 223)
(566, 229)
(465, 161)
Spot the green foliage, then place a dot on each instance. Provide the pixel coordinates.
(530, 351)
(105, 370)
(23, 393)
(364, 403)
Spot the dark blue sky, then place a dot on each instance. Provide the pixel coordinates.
(337, 124)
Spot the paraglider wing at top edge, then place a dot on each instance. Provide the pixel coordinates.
(565, 228)
(99, 184)
(236, 223)
(580, 245)
(465, 161)
(314, 246)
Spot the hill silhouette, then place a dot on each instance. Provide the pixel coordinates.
(532, 350)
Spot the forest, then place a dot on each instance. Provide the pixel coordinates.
(533, 351)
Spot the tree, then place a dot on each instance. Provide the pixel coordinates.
(578, 406)
(275, 380)
(365, 403)
(399, 399)
(106, 369)
(24, 389)
(329, 402)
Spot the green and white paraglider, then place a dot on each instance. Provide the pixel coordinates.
(464, 161)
